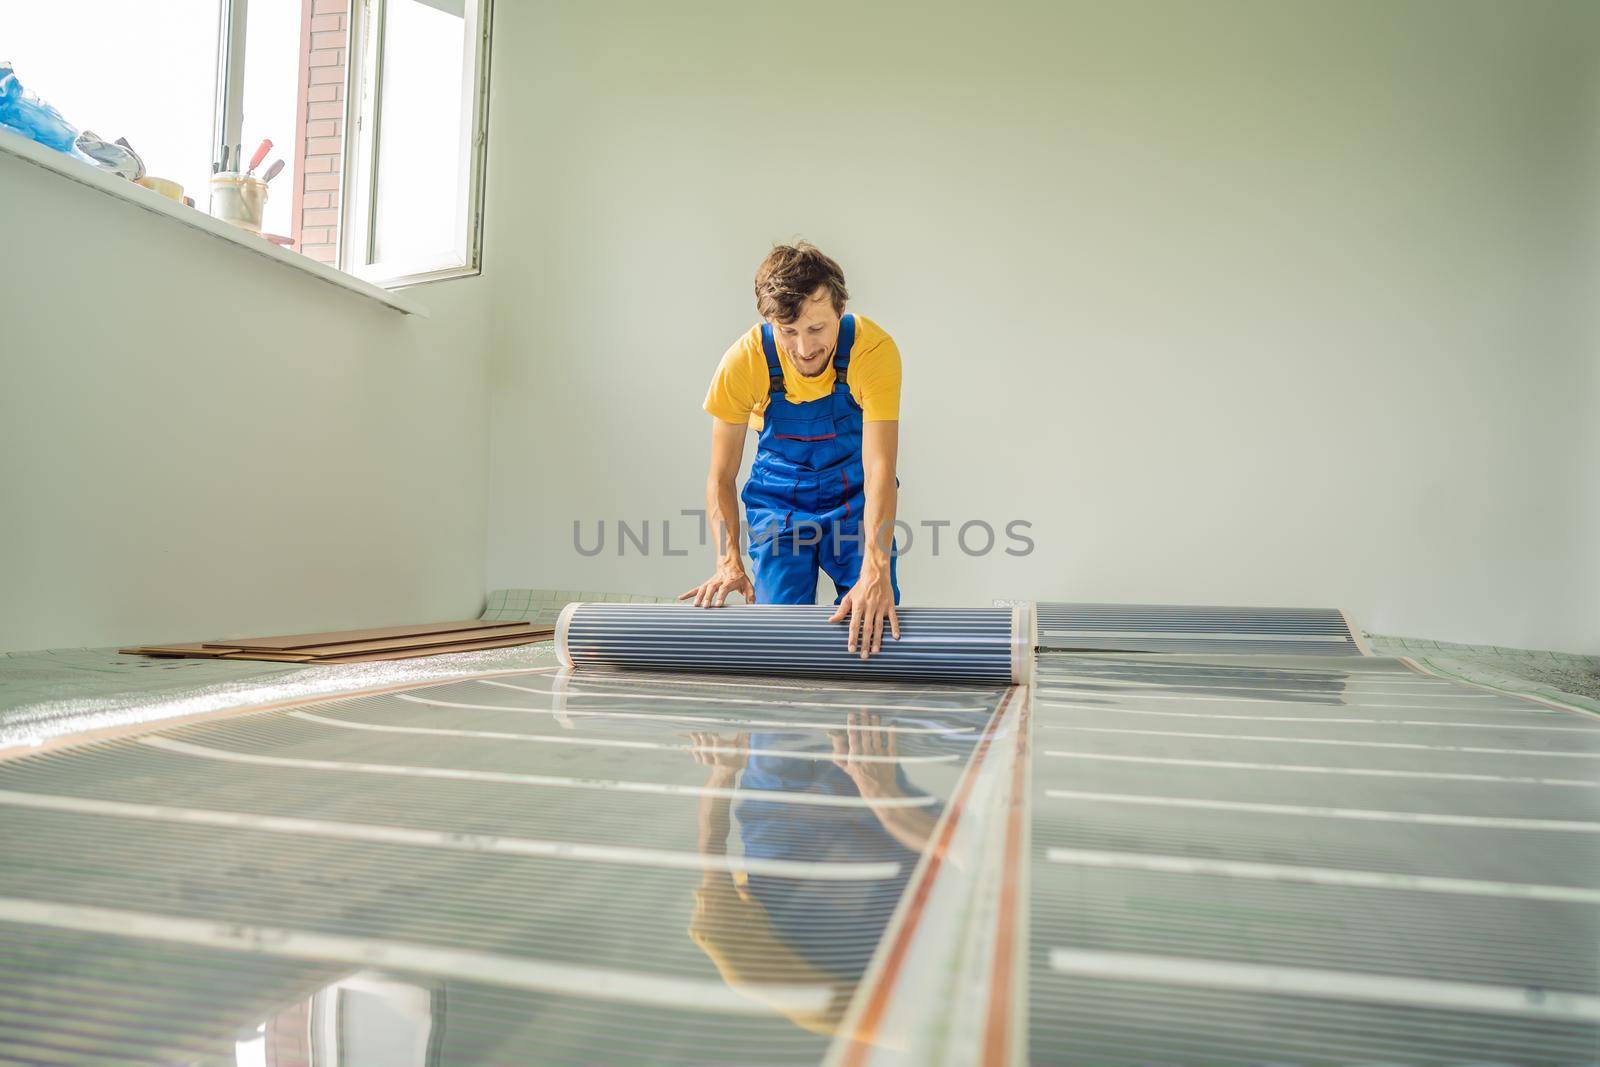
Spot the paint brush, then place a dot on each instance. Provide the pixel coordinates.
(273, 171)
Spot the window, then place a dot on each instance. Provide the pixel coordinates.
(416, 171)
(145, 72)
(284, 81)
(371, 114)
(389, 105)
(272, 111)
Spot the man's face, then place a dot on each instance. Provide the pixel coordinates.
(810, 339)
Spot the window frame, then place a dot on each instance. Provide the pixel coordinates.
(363, 146)
(363, 122)
(228, 129)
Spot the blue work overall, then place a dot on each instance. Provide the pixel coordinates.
(833, 925)
(805, 499)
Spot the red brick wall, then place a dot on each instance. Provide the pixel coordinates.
(319, 133)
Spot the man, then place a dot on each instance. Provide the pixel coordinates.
(822, 389)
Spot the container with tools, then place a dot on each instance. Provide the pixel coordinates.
(238, 199)
(241, 198)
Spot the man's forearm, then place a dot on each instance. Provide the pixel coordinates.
(722, 512)
(714, 818)
(912, 827)
(882, 498)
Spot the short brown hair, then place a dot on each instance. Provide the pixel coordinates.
(790, 274)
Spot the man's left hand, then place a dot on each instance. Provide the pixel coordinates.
(865, 607)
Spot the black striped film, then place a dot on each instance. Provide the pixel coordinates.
(1194, 628)
(980, 645)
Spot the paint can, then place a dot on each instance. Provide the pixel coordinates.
(238, 199)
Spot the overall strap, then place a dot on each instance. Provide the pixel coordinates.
(774, 370)
(841, 357)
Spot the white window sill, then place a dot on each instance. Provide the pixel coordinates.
(15, 144)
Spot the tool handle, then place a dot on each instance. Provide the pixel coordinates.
(261, 153)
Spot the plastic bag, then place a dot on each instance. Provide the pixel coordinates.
(116, 156)
(36, 120)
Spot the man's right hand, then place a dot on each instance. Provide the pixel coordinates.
(713, 593)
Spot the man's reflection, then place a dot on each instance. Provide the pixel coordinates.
(762, 929)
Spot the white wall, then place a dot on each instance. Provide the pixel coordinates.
(197, 442)
(1258, 302)
(1245, 302)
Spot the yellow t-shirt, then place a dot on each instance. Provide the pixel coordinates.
(738, 391)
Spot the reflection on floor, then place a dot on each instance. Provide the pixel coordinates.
(521, 869)
(1143, 859)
